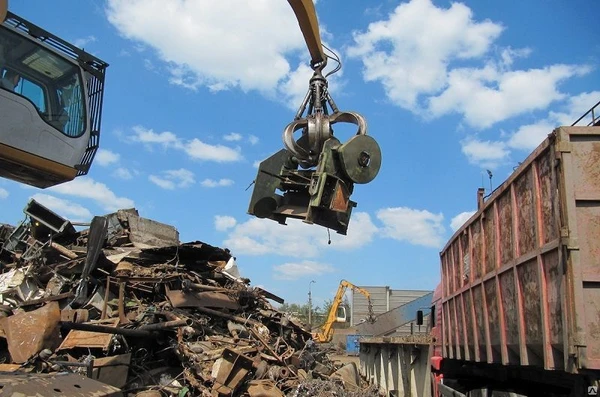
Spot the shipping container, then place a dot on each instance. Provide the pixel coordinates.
(352, 344)
(520, 282)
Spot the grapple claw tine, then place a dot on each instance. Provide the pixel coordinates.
(316, 172)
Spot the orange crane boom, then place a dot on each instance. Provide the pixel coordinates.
(326, 333)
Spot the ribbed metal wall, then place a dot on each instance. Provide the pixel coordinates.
(398, 297)
(383, 300)
(406, 328)
(360, 307)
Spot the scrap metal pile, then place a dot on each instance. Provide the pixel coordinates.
(123, 308)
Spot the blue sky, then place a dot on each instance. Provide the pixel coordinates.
(198, 92)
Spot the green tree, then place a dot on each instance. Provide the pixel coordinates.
(295, 310)
(326, 308)
(319, 314)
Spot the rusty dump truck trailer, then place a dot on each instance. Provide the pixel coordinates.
(520, 289)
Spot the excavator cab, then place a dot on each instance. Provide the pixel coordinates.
(50, 105)
(341, 316)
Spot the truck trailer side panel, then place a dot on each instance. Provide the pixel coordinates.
(521, 279)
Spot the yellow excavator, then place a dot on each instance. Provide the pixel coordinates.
(338, 313)
(51, 95)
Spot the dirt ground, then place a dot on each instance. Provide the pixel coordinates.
(344, 359)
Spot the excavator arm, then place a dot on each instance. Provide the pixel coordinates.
(327, 329)
(3, 9)
(309, 25)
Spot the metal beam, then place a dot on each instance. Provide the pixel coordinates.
(389, 321)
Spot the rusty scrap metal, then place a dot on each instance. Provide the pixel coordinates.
(105, 302)
(228, 316)
(269, 295)
(58, 297)
(112, 370)
(28, 333)
(96, 239)
(263, 388)
(166, 325)
(122, 318)
(61, 384)
(105, 329)
(187, 285)
(74, 315)
(141, 314)
(89, 366)
(181, 298)
(64, 250)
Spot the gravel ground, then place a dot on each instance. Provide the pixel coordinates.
(329, 388)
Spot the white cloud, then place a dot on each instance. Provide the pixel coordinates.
(361, 231)
(123, 173)
(65, 208)
(296, 270)
(528, 137)
(414, 54)
(263, 236)
(148, 65)
(294, 87)
(219, 183)
(409, 52)
(183, 177)
(460, 219)
(106, 157)
(83, 41)
(487, 154)
(253, 139)
(490, 154)
(162, 182)
(3, 193)
(199, 150)
(231, 39)
(195, 148)
(223, 223)
(166, 138)
(419, 227)
(233, 137)
(509, 54)
(489, 95)
(86, 187)
(256, 164)
(171, 179)
(576, 107)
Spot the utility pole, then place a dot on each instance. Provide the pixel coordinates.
(310, 305)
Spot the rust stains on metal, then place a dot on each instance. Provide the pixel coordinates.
(55, 385)
(112, 370)
(151, 316)
(87, 338)
(179, 298)
(27, 333)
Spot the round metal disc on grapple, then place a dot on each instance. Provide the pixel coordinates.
(361, 158)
